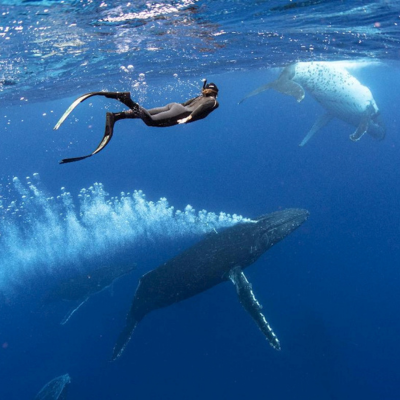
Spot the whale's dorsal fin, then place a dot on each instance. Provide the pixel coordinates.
(251, 305)
(318, 124)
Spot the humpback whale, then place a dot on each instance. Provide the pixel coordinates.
(339, 92)
(56, 389)
(217, 258)
(79, 288)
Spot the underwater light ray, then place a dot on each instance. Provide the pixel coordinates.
(41, 233)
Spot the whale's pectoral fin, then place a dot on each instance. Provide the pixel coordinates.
(363, 125)
(109, 129)
(73, 311)
(318, 124)
(251, 305)
(360, 131)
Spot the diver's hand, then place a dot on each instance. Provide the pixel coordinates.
(184, 120)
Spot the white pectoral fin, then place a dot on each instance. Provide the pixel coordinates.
(252, 306)
(360, 131)
(318, 124)
(363, 125)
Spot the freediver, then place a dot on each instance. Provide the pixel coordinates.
(171, 114)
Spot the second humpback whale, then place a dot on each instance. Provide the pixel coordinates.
(217, 258)
(339, 92)
(81, 287)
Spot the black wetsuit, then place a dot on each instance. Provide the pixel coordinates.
(198, 108)
(169, 115)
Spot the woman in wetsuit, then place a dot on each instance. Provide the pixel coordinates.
(169, 115)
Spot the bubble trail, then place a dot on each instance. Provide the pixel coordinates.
(40, 232)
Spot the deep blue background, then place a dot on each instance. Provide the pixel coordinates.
(330, 290)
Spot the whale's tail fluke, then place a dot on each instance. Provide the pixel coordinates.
(258, 91)
(283, 84)
(124, 338)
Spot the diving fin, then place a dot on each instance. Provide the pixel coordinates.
(110, 121)
(123, 97)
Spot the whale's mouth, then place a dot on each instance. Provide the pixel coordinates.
(290, 216)
(292, 219)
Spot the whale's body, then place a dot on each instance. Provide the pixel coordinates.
(218, 258)
(338, 92)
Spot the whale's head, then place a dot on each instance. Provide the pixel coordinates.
(272, 228)
(376, 126)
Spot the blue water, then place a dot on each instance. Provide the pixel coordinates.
(329, 290)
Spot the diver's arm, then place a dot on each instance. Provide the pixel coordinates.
(184, 120)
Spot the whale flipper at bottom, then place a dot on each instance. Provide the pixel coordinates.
(252, 306)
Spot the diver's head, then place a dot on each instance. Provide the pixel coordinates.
(209, 89)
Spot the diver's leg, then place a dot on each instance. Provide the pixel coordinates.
(167, 112)
(170, 112)
(158, 110)
(123, 97)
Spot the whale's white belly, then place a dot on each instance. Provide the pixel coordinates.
(340, 93)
